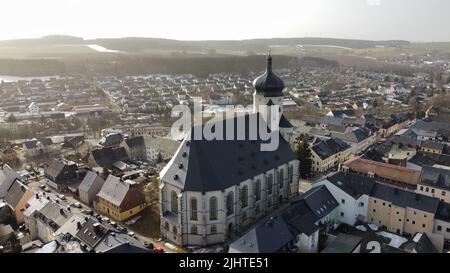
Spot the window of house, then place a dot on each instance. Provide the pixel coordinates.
(384, 204)
(439, 228)
(374, 210)
(213, 229)
(270, 184)
(443, 193)
(407, 220)
(174, 229)
(244, 196)
(194, 229)
(447, 230)
(213, 208)
(230, 203)
(413, 222)
(399, 220)
(343, 201)
(374, 201)
(398, 212)
(174, 202)
(258, 190)
(361, 204)
(427, 189)
(432, 190)
(166, 226)
(281, 178)
(421, 188)
(342, 214)
(194, 209)
(291, 174)
(423, 225)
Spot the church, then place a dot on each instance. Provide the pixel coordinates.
(211, 190)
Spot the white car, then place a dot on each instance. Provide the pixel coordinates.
(77, 205)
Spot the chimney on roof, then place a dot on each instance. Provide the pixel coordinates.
(61, 210)
(78, 225)
(37, 196)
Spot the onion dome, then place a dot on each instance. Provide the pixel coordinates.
(269, 84)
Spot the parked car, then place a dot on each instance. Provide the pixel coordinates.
(158, 250)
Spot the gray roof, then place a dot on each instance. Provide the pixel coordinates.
(7, 178)
(443, 211)
(344, 243)
(112, 139)
(353, 184)
(15, 193)
(89, 180)
(114, 190)
(91, 233)
(433, 145)
(31, 144)
(106, 157)
(135, 141)
(329, 147)
(120, 243)
(264, 238)
(209, 165)
(165, 145)
(403, 198)
(435, 177)
(52, 216)
(424, 245)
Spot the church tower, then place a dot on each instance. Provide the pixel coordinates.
(269, 91)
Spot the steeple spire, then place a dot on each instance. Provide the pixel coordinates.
(269, 62)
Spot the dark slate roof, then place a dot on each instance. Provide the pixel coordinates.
(443, 211)
(209, 165)
(120, 243)
(424, 245)
(341, 112)
(7, 178)
(285, 123)
(302, 215)
(113, 139)
(403, 198)
(435, 177)
(15, 193)
(105, 157)
(329, 147)
(353, 184)
(269, 84)
(31, 144)
(344, 243)
(90, 179)
(57, 167)
(90, 235)
(264, 238)
(433, 145)
(430, 159)
(135, 141)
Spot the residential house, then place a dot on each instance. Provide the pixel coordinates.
(17, 196)
(112, 140)
(401, 211)
(119, 199)
(442, 220)
(359, 138)
(89, 187)
(61, 173)
(160, 148)
(295, 228)
(107, 157)
(435, 182)
(135, 148)
(8, 155)
(432, 147)
(7, 178)
(38, 147)
(352, 193)
(328, 154)
(342, 113)
(385, 173)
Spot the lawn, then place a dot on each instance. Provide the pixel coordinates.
(149, 223)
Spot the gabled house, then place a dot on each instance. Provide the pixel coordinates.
(17, 196)
(61, 173)
(435, 182)
(107, 157)
(135, 148)
(352, 193)
(38, 147)
(112, 140)
(120, 200)
(92, 183)
(327, 154)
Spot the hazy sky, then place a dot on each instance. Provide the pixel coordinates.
(415, 20)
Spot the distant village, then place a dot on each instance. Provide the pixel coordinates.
(88, 164)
